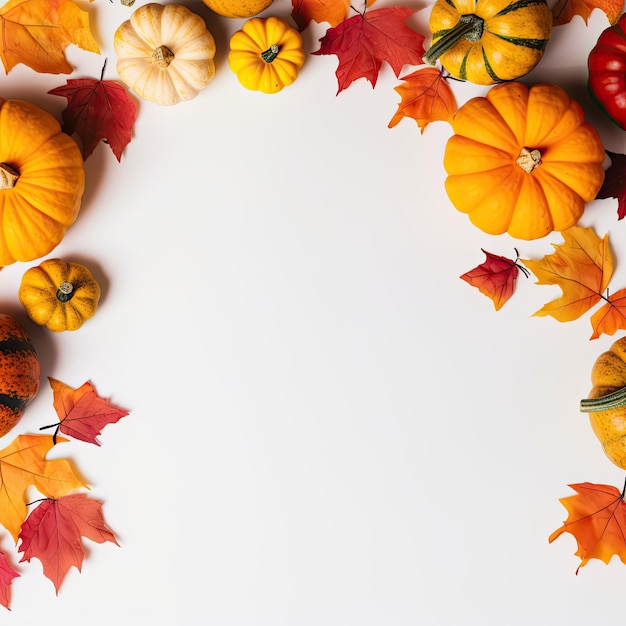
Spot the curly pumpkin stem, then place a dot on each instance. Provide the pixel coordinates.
(528, 160)
(271, 53)
(468, 27)
(614, 400)
(162, 56)
(8, 176)
(65, 291)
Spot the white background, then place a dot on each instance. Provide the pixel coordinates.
(327, 426)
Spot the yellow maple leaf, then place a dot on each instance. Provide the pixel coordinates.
(23, 464)
(564, 10)
(36, 33)
(581, 266)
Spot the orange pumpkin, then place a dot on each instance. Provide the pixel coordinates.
(19, 372)
(42, 180)
(523, 160)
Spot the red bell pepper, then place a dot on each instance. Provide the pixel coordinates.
(607, 71)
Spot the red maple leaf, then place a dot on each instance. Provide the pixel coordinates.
(54, 530)
(7, 574)
(597, 520)
(83, 413)
(364, 41)
(98, 110)
(495, 278)
(614, 185)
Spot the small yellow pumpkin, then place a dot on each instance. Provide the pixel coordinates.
(523, 160)
(165, 53)
(42, 179)
(606, 402)
(266, 54)
(60, 295)
(238, 8)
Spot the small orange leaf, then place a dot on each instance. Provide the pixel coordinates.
(582, 267)
(565, 10)
(611, 317)
(597, 520)
(495, 278)
(36, 32)
(426, 97)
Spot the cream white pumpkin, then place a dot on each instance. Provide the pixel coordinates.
(165, 53)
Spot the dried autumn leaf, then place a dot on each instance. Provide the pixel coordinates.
(23, 464)
(614, 185)
(54, 530)
(582, 267)
(565, 10)
(82, 412)
(36, 33)
(364, 41)
(597, 520)
(426, 97)
(97, 110)
(611, 317)
(7, 574)
(495, 278)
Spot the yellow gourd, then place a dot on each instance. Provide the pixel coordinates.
(60, 295)
(165, 53)
(266, 54)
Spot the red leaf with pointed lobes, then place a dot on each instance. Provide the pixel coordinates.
(7, 574)
(495, 278)
(364, 41)
(54, 530)
(83, 413)
(98, 110)
(614, 185)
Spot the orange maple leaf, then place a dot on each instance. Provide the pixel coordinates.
(565, 10)
(82, 412)
(611, 317)
(426, 97)
(52, 533)
(582, 267)
(23, 464)
(597, 520)
(36, 33)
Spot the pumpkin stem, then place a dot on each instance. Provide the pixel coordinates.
(468, 27)
(8, 176)
(65, 291)
(270, 54)
(162, 56)
(610, 401)
(528, 160)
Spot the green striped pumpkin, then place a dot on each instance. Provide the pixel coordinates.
(488, 41)
(19, 372)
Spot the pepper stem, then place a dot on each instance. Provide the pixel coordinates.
(65, 291)
(614, 400)
(8, 176)
(468, 27)
(270, 54)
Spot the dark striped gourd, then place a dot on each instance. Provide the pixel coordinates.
(489, 41)
(19, 372)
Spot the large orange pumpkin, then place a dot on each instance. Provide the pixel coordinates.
(19, 372)
(523, 160)
(42, 180)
